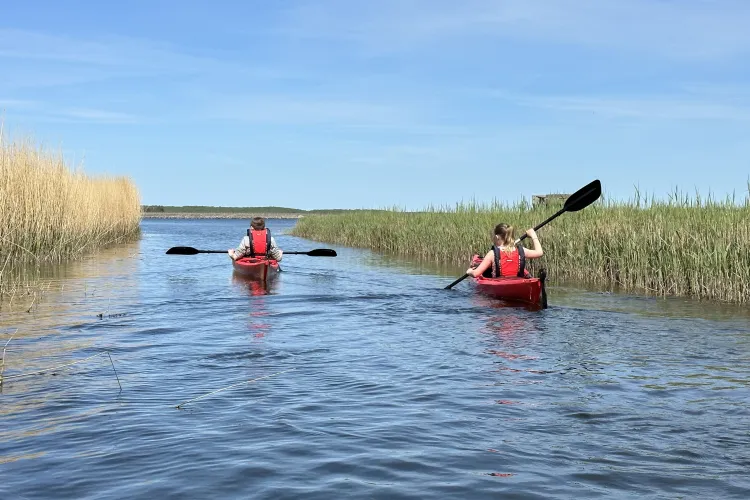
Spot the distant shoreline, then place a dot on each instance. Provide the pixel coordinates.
(205, 215)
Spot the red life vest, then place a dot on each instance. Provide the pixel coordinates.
(513, 264)
(260, 242)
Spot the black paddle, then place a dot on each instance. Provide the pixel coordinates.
(318, 252)
(579, 200)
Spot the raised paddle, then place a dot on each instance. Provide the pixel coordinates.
(579, 200)
(318, 252)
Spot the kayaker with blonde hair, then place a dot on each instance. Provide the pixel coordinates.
(257, 243)
(507, 259)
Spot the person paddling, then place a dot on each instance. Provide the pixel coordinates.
(507, 259)
(257, 243)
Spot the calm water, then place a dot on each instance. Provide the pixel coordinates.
(391, 386)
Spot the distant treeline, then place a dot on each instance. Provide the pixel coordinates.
(203, 209)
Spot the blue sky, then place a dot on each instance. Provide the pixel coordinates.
(356, 104)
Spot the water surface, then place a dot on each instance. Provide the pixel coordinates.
(390, 387)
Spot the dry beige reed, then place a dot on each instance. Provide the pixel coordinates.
(50, 212)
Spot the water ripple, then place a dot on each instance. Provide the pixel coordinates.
(399, 389)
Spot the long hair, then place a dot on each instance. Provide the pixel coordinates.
(505, 238)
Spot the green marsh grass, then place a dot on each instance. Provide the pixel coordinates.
(50, 212)
(682, 246)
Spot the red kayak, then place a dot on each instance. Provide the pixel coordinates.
(256, 268)
(528, 290)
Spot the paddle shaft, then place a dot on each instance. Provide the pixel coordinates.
(224, 251)
(459, 280)
(560, 212)
(549, 219)
(579, 200)
(318, 252)
(298, 253)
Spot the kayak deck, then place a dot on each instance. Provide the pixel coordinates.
(256, 268)
(528, 290)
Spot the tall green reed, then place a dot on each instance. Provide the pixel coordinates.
(684, 246)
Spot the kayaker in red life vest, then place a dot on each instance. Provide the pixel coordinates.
(257, 243)
(505, 258)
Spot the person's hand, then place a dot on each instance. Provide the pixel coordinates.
(531, 233)
(470, 272)
(231, 253)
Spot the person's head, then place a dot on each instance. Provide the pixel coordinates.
(504, 236)
(258, 223)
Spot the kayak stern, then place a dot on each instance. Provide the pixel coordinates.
(260, 269)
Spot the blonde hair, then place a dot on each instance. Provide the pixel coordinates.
(505, 238)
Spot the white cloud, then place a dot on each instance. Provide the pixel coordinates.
(45, 112)
(685, 106)
(17, 104)
(392, 114)
(36, 59)
(689, 29)
(97, 115)
(113, 51)
(299, 110)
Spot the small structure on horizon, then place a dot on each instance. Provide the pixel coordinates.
(548, 199)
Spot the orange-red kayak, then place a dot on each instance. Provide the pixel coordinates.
(516, 289)
(260, 269)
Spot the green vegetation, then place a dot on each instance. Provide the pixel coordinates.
(203, 209)
(683, 246)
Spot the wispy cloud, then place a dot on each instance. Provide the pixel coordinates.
(651, 107)
(38, 59)
(17, 104)
(299, 110)
(690, 29)
(45, 112)
(393, 114)
(113, 51)
(98, 115)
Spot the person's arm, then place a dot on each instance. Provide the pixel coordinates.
(275, 251)
(486, 263)
(537, 251)
(240, 250)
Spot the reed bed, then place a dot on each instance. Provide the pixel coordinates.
(682, 246)
(50, 212)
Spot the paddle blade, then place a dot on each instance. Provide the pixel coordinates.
(182, 251)
(318, 252)
(322, 252)
(584, 197)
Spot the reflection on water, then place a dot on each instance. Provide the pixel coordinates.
(79, 299)
(254, 287)
(258, 324)
(399, 388)
(489, 303)
(413, 265)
